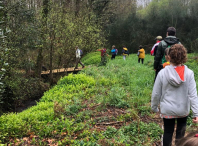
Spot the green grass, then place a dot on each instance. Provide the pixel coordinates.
(70, 112)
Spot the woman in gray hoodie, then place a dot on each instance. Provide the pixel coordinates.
(175, 91)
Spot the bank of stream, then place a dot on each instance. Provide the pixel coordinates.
(32, 102)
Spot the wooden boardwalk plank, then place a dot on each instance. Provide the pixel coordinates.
(61, 70)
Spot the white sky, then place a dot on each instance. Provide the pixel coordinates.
(143, 2)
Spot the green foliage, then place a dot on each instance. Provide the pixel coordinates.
(144, 110)
(33, 119)
(23, 35)
(92, 58)
(69, 107)
(24, 89)
(69, 87)
(4, 66)
(192, 64)
(68, 111)
(67, 28)
(139, 132)
(136, 29)
(44, 34)
(117, 98)
(110, 132)
(80, 104)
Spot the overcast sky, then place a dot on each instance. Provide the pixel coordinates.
(143, 2)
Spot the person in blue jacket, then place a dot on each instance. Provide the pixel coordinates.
(113, 52)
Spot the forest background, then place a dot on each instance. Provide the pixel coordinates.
(38, 34)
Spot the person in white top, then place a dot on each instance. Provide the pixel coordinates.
(78, 58)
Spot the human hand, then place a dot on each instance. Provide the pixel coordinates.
(195, 120)
(155, 110)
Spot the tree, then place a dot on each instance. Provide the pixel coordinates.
(44, 13)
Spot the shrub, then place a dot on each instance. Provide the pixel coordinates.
(93, 58)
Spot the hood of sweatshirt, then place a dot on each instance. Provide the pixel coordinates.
(172, 76)
(171, 40)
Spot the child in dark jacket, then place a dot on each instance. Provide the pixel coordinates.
(125, 52)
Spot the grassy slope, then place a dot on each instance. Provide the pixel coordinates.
(100, 106)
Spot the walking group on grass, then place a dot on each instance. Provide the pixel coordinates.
(125, 53)
(174, 92)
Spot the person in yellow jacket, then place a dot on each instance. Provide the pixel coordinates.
(125, 52)
(141, 55)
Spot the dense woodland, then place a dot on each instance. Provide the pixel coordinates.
(37, 33)
(100, 105)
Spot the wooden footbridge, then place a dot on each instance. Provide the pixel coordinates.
(62, 70)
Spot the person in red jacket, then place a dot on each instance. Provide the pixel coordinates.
(103, 56)
(155, 46)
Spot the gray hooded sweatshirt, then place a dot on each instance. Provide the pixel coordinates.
(174, 95)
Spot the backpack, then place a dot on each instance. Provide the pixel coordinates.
(165, 44)
(104, 50)
(113, 52)
(126, 52)
(116, 51)
(138, 53)
(81, 52)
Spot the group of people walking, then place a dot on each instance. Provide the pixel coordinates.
(114, 52)
(125, 52)
(174, 88)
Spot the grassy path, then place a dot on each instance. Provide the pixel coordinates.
(100, 106)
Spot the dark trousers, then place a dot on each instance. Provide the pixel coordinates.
(103, 60)
(113, 57)
(169, 126)
(78, 61)
(157, 71)
(142, 59)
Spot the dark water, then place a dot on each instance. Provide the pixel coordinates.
(26, 105)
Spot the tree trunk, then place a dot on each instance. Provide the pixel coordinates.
(43, 31)
(51, 56)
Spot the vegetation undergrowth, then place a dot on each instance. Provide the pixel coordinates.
(106, 105)
(91, 58)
